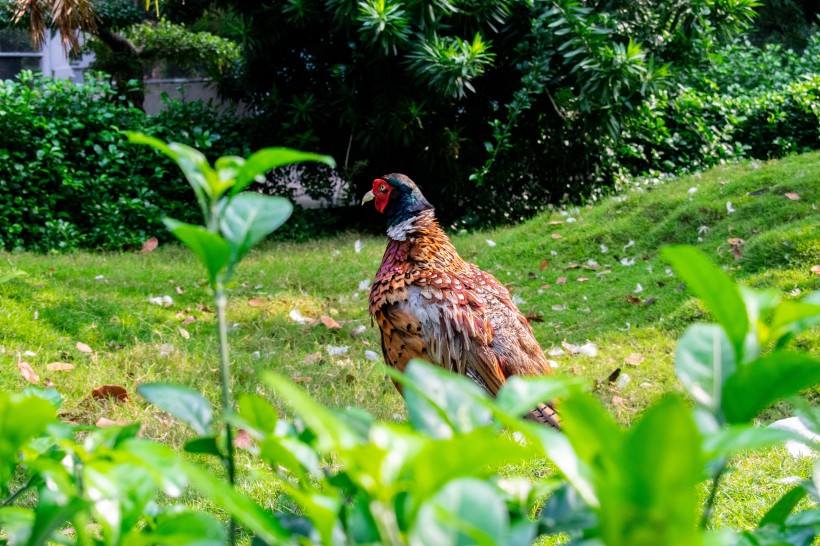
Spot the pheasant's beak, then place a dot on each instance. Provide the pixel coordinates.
(368, 197)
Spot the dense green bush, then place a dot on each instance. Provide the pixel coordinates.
(68, 179)
(747, 102)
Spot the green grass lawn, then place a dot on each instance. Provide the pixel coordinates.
(586, 274)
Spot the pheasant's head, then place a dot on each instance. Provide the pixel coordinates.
(397, 197)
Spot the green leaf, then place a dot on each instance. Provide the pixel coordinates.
(211, 249)
(119, 493)
(465, 512)
(17, 523)
(243, 509)
(592, 431)
(331, 432)
(203, 445)
(164, 464)
(50, 395)
(753, 387)
(257, 414)
(704, 359)
(715, 288)
(791, 318)
(440, 402)
(323, 510)
(783, 508)
(297, 457)
(11, 275)
(183, 529)
(652, 498)
(183, 403)
(732, 439)
(270, 158)
(520, 394)
(250, 217)
(50, 515)
(17, 432)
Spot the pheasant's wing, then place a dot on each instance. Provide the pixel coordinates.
(466, 323)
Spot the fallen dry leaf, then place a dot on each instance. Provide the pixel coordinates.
(330, 323)
(634, 359)
(532, 316)
(793, 196)
(302, 379)
(27, 372)
(180, 291)
(106, 422)
(149, 245)
(582, 279)
(613, 377)
(59, 367)
(556, 235)
(555, 223)
(188, 320)
(561, 280)
(48, 383)
(315, 357)
(83, 348)
(815, 269)
(634, 300)
(618, 401)
(183, 332)
(544, 265)
(256, 302)
(736, 243)
(650, 301)
(104, 392)
(242, 440)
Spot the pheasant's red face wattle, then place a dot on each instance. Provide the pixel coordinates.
(381, 191)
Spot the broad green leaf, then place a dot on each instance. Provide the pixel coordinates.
(331, 432)
(733, 439)
(181, 529)
(440, 461)
(50, 515)
(520, 394)
(11, 275)
(197, 179)
(783, 508)
(297, 457)
(15, 431)
(203, 445)
(440, 402)
(703, 360)
(465, 512)
(197, 170)
(211, 249)
(566, 512)
(592, 431)
(323, 510)
(184, 403)
(50, 395)
(791, 318)
(119, 493)
(360, 524)
(228, 167)
(653, 498)
(754, 386)
(17, 523)
(270, 158)
(258, 414)
(164, 464)
(250, 217)
(715, 288)
(243, 509)
(559, 450)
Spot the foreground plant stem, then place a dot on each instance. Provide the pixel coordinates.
(710, 502)
(221, 302)
(28, 485)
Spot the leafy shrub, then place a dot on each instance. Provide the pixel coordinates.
(748, 103)
(69, 180)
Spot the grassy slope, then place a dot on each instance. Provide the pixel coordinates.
(102, 300)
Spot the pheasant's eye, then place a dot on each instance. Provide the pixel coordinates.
(382, 188)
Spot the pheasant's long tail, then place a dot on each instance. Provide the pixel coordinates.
(546, 415)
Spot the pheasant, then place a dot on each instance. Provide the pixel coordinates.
(431, 304)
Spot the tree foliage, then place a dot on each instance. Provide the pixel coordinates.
(521, 95)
